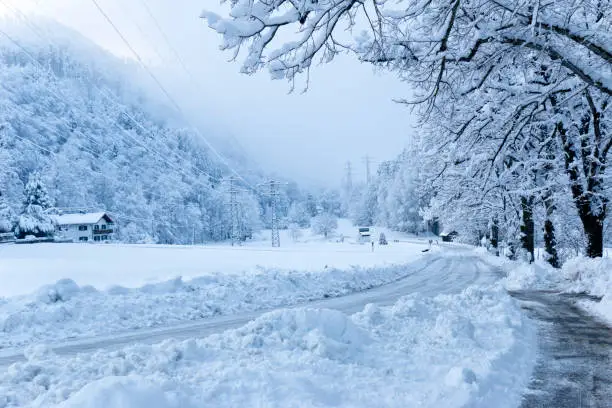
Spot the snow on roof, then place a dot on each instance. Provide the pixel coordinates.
(88, 218)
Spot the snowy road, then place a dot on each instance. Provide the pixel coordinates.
(432, 275)
(574, 367)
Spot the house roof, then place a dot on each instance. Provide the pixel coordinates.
(87, 218)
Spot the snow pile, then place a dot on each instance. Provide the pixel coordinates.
(592, 276)
(578, 275)
(469, 349)
(520, 275)
(66, 310)
(588, 275)
(326, 333)
(119, 392)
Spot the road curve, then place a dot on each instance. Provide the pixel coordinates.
(431, 275)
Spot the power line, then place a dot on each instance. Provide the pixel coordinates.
(167, 40)
(52, 93)
(166, 93)
(181, 62)
(127, 44)
(105, 94)
(144, 35)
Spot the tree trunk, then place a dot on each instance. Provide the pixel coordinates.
(495, 237)
(592, 223)
(550, 241)
(527, 227)
(593, 228)
(586, 173)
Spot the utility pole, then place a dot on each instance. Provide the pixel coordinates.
(367, 159)
(233, 191)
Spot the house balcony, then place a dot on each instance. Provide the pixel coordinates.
(102, 231)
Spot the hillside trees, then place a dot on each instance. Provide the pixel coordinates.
(75, 115)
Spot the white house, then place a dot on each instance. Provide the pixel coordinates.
(87, 227)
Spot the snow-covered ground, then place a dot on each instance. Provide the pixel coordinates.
(65, 310)
(472, 349)
(79, 290)
(444, 344)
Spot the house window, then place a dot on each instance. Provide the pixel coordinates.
(82, 227)
(83, 239)
(104, 237)
(103, 226)
(96, 238)
(96, 227)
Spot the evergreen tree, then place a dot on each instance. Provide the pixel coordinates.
(34, 220)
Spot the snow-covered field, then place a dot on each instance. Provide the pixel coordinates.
(472, 349)
(67, 291)
(25, 268)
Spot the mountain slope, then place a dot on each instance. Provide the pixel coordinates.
(73, 113)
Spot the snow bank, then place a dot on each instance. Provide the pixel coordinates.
(119, 392)
(578, 275)
(66, 310)
(594, 277)
(469, 349)
(531, 276)
(588, 275)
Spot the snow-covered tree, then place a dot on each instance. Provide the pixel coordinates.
(33, 220)
(295, 232)
(324, 224)
(492, 77)
(364, 209)
(299, 215)
(7, 216)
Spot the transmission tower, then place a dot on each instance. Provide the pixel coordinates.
(273, 193)
(349, 178)
(233, 192)
(367, 159)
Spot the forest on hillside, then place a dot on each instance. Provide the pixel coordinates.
(73, 119)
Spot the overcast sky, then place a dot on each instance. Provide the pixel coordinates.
(346, 114)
